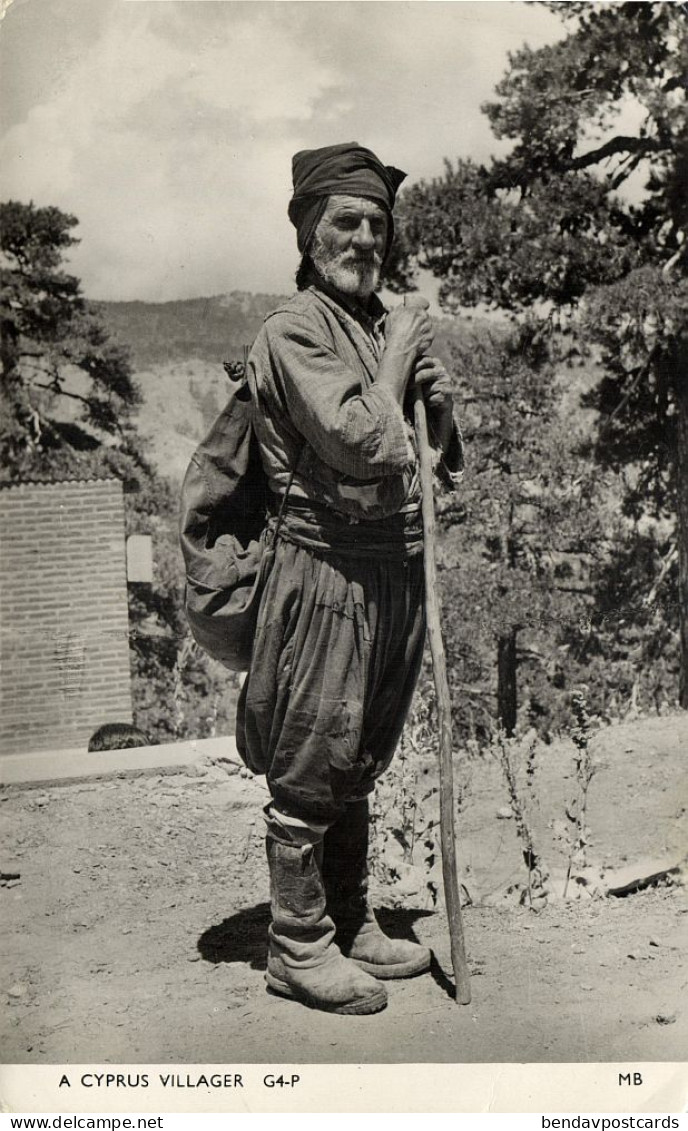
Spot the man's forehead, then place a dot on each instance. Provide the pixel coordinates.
(340, 202)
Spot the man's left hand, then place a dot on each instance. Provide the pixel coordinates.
(435, 382)
(433, 378)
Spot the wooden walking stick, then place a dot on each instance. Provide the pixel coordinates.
(439, 670)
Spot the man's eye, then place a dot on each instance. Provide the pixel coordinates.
(351, 223)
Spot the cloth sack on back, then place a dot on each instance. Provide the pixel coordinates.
(227, 553)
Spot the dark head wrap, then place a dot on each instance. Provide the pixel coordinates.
(348, 169)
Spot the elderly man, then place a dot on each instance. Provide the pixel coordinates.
(341, 626)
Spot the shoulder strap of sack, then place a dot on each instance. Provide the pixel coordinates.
(285, 497)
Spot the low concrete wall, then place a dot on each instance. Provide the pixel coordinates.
(62, 766)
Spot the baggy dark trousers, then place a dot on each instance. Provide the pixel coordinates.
(337, 653)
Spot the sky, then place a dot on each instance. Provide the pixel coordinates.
(167, 127)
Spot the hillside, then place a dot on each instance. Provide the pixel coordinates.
(212, 329)
(181, 399)
(178, 349)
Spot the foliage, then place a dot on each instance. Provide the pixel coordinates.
(178, 691)
(640, 324)
(488, 245)
(519, 536)
(68, 391)
(559, 103)
(583, 224)
(405, 854)
(625, 649)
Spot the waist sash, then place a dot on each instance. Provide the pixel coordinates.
(318, 528)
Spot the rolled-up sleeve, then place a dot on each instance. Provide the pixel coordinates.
(359, 433)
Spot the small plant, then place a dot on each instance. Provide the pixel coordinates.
(179, 696)
(517, 760)
(581, 735)
(405, 852)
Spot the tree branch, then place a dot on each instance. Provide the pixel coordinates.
(36, 366)
(642, 372)
(667, 563)
(627, 167)
(619, 144)
(671, 263)
(62, 392)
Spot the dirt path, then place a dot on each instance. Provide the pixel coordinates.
(136, 929)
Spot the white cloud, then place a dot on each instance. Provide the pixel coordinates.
(170, 132)
(260, 73)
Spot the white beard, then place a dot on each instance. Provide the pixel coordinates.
(349, 272)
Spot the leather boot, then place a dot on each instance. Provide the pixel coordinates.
(345, 872)
(304, 961)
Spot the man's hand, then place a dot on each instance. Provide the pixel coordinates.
(408, 335)
(432, 376)
(436, 384)
(408, 329)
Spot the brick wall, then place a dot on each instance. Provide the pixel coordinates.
(63, 614)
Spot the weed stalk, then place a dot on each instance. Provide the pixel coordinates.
(581, 735)
(506, 749)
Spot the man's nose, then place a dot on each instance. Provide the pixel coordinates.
(363, 236)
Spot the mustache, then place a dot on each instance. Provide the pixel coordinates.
(362, 260)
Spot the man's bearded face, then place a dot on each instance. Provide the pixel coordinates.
(349, 245)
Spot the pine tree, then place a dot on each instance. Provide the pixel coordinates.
(68, 392)
(586, 220)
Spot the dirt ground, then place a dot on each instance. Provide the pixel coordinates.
(134, 916)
